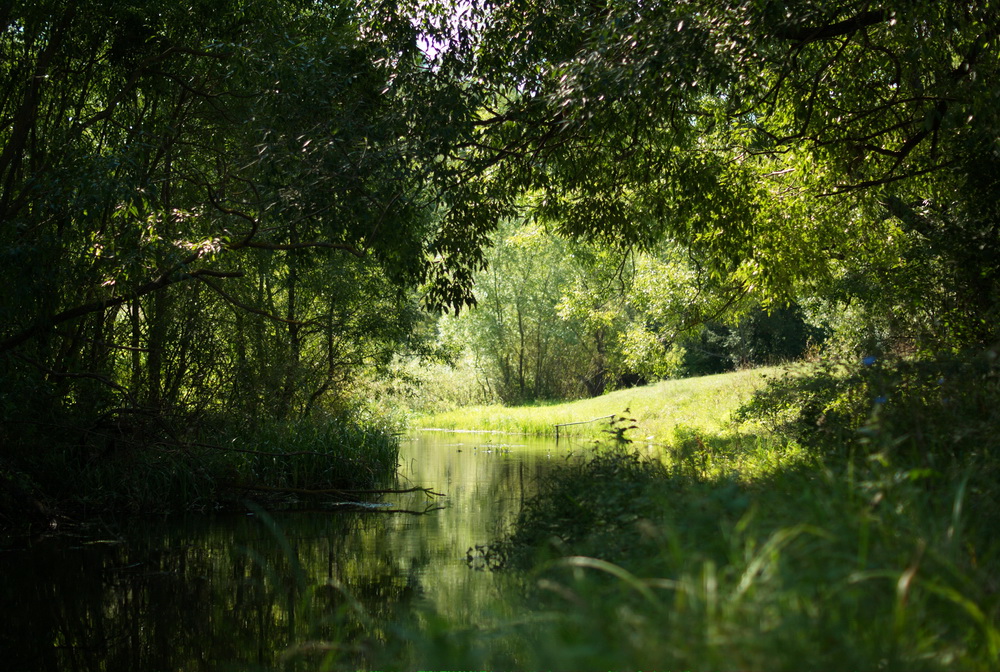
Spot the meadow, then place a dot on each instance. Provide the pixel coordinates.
(660, 410)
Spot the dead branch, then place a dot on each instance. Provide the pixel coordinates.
(251, 451)
(366, 509)
(336, 491)
(429, 509)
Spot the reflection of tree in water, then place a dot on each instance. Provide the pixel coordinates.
(262, 592)
(216, 593)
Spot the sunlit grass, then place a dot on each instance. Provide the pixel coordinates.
(662, 411)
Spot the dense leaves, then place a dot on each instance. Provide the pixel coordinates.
(778, 139)
(213, 211)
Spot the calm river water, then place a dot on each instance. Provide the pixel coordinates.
(237, 591)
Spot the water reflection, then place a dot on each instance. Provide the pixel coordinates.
(239, 591)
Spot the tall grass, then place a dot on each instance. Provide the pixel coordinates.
(218, 465)
(627, 563)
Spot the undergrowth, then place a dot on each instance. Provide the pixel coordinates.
(215, 465)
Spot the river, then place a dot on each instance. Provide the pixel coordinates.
(270, 591)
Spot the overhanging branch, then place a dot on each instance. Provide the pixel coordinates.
(172, 277)
(803, 35)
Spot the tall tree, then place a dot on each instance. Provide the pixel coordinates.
(214, 206)
(778, 139)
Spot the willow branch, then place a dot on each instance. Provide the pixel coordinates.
(170, 278)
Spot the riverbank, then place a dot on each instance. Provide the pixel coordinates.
(855, 533)
(663, 412)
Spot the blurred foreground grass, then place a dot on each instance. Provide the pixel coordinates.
(735, 546)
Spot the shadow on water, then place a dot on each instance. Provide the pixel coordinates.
(239, 591)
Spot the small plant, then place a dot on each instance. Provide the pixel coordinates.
(619, 424)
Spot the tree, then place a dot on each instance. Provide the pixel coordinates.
(212, 208)
(557, 319)
(785, 142)
(525, 350)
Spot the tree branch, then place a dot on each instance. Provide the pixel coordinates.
(807, 34)
(239, 304)
(169, 278)
(844, 188)
(71, 374)
(335, 491)
(301, 246)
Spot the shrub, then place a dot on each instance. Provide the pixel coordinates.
(929, 409)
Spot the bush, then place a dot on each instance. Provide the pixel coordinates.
(927, 410)
(759, 338)
(129, 467)
(594, 505)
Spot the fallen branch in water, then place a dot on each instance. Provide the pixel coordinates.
(429, 509)
(352, 508)
(251, 451)
(334, 491)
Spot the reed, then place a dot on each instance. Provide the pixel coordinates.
(218, 466)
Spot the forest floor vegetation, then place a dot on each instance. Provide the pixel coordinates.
(218, 465)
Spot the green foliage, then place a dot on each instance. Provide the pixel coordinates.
(928, 411)
(526, 351)
(210, 209)
(319, 453)
(789, 147)
(556, 320)
(756, 338)
(815, 577)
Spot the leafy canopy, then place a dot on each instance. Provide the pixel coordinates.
(772, 136)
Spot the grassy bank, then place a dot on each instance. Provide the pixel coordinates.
(856, 533)
(665, 411)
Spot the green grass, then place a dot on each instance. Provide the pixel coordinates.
(664, 412)
(866, 542)
(632, 564)
(627, 563)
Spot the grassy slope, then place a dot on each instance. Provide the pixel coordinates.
(660, 410)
